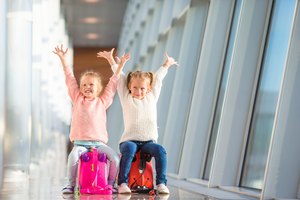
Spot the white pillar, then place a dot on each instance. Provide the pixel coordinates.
(18, 86)
(2, 81)
(36, 135)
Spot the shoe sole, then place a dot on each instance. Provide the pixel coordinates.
(124, 192)
(68, 193)
(163, 192)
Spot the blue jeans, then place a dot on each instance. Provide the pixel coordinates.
(128, 150)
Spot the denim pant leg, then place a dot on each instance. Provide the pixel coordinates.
(113, 159)
(72, 165)
(160, 156)
(128, 150)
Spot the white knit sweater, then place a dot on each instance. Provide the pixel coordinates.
(140, 116)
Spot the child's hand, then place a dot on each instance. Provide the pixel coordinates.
(60, 51)
(123, 59)
(169, 61)
(108, 55)
(121, 62)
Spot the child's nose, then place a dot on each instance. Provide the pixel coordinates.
(137, 92)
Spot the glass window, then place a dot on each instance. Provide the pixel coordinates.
(219, 105)
(267, 94)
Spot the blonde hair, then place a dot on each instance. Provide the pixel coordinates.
(141, 75)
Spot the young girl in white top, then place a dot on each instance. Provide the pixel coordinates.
(139, 92)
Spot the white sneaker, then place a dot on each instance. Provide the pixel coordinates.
(124, 189)
(68, 190)
(162, 189)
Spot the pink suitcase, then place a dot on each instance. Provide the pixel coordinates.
(92, 173)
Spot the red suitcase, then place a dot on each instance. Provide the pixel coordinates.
(141, 174)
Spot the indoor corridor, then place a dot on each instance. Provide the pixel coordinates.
(227, 116)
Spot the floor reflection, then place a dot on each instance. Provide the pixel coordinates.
(50, 189)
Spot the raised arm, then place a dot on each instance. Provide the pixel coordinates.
(161, 73)
(121, 63)
(169, 61)
(61, 53)
(71, 82)
(116, 67)
(108, 55)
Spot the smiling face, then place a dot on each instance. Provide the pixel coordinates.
(139, 87)
(90, 86)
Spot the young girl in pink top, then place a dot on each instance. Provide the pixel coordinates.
(88, 126)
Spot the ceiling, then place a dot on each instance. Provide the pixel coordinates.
(94, 23)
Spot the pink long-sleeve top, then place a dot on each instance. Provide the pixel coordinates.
(89, 116)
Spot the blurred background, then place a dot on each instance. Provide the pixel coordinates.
(228, 115)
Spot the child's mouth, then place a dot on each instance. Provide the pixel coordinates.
(88, 92)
